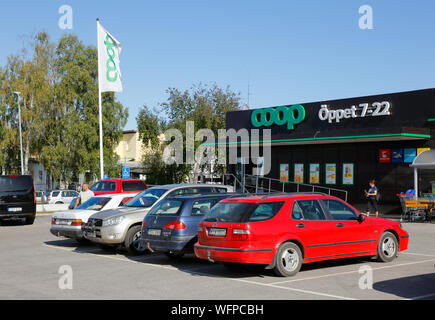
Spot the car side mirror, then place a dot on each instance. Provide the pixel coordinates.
(361, 218)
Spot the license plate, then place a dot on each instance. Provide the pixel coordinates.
(217, 232)
(63, 222)
(15, 209)
(154, 232)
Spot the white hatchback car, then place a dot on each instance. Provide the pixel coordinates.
(69, 223)
(62, 196)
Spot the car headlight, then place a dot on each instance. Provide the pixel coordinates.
(112, 221)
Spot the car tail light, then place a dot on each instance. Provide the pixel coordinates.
(144, 224)
(175, 225)
(76, 222)
(53, 221)
(240, 234)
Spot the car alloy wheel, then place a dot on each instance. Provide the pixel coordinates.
(136, 242)
(387, 247)
(288, 260)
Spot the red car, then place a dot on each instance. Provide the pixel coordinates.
(284, 231)
(108, 186)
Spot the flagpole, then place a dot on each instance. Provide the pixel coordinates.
(100, 113)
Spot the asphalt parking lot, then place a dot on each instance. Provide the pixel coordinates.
(31, 258)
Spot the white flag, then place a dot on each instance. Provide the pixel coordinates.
(109, 50)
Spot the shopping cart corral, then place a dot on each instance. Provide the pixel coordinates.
(416, 209)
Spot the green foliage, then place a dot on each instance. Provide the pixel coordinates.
(149, 126)
(205, 106)
(59, 89)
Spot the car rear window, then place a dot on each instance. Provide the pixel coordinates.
(133, 186)
(146, 198)
(15, 183)
(104, 186)
(243, 211)
(167, 207)
(94, 203)
(202, 207)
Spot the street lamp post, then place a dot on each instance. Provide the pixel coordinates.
(21, 136)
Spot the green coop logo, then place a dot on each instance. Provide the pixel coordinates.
(279, 116)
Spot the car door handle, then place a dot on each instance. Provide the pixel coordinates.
(300, 226)
(340, 225)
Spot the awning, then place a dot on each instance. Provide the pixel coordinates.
(425, 160)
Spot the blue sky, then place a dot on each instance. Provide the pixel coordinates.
(287, 51)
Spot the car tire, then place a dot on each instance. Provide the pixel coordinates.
(174, 255)
(388, 247)
(288, 260)
(29, 220)
(132, 243)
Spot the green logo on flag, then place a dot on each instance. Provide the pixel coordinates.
(110, 64)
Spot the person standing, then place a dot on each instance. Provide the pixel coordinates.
(84, 195)
(371, 198)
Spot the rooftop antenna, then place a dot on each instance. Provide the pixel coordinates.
(249, 94)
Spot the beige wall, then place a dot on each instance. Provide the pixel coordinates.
(130, 147)
(135, 150)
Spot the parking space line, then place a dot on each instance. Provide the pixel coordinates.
(422, 297)
(113, 258)
(192, 271)
(419, 254)
(350, 272)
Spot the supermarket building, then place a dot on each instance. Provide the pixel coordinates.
(344, 143)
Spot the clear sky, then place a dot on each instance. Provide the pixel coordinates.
(287, 51)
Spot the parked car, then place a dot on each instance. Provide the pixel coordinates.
(69, 223)
(171, 226)
(62, 196)
(17, 198)
(40, 197)
(108, 186)
(122, 227)
(285, 231)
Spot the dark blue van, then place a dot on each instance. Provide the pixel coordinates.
(172, 225)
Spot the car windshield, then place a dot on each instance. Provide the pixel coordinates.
(243, 211)
(15, 183)
(146, 198)
(167, 207)
(94, 203)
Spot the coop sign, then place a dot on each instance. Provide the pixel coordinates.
(280, 116)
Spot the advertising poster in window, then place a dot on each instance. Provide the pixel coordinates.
(331, 173)
(299, 172)
(384, 155)
(420, 150)
(283, 172)
(409, 155)
(348, 173)
(314, 173)
(397, 155)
